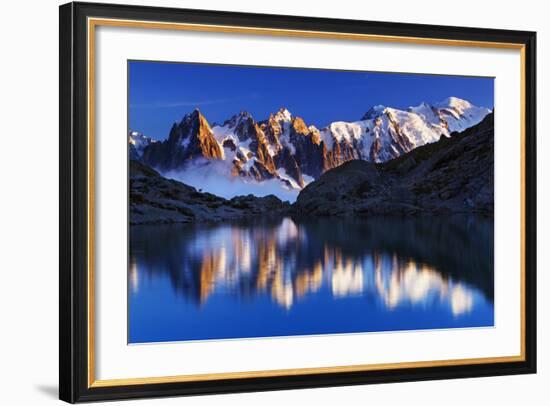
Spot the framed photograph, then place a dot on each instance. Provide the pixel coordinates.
(255, 202)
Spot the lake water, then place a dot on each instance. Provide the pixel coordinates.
(283, 277)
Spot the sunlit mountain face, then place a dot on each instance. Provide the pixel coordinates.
(284, 277)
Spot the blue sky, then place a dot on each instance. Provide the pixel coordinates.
(162, 93)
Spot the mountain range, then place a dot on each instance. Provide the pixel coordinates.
(287, 152)
(452, 175)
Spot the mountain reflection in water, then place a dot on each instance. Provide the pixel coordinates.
(284, 277)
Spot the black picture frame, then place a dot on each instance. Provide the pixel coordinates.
(74, 385)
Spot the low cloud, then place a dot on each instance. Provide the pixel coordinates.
(216, 178)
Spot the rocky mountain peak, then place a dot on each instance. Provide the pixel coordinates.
(137, 143)
(191, 138)
(192, 124)
(299, 126)
(192, 116)
(283, 115)
(236, 119)
(374, 112)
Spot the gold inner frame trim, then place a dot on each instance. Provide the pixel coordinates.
(94, 22)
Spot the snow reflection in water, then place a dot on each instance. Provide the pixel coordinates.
(389, 269)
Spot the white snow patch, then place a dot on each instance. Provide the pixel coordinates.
(283, 115)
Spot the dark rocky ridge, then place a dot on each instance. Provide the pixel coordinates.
(452, 175)
(156, 200)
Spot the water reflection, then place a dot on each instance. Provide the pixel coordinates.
(407, 281)
(420, 265)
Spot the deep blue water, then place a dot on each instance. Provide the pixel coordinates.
(284, 277)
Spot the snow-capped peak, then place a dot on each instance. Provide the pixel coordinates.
(374, 112)
(460, 114)
(138, 142)
(454, 102)
(236, 119)
(244, 114)
(137, 138)
(283, 115)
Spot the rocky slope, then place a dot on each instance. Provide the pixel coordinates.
(285, 148)
(452, 175)
(156, 200)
